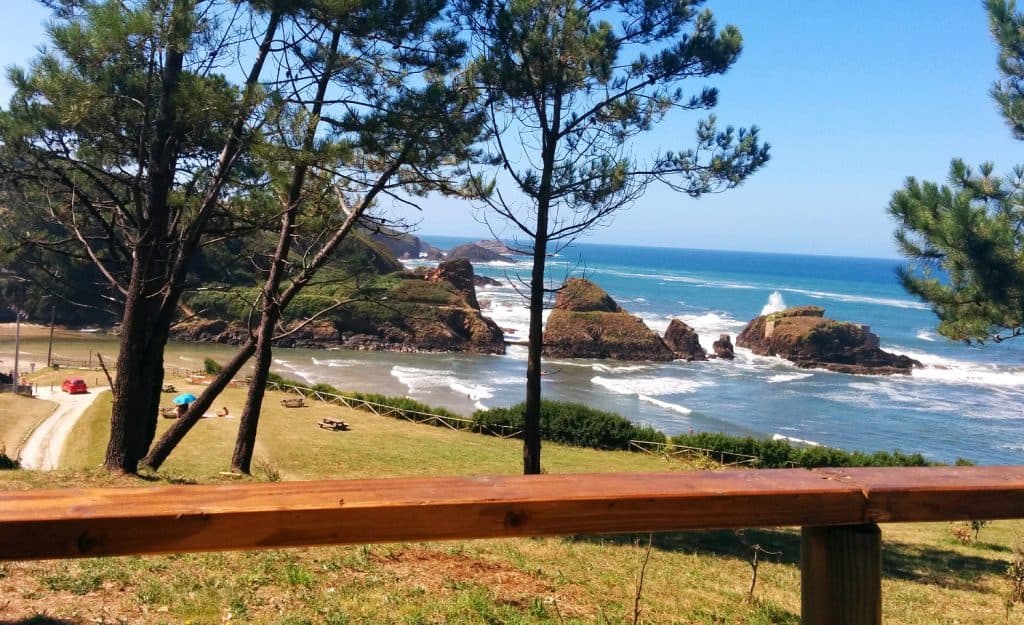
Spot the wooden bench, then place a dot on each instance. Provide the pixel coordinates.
(296, 402)
(168, 388)
(336, 425)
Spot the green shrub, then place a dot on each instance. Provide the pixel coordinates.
(211, 366)
(573, 424)
(6, 462)
(780, 453)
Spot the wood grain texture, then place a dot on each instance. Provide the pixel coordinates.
(841, 575)
(97, 522)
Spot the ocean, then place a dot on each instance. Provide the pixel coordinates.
(965, 403)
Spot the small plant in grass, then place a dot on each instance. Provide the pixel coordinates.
(967, 531)
(1015, 575)
(298, 576)
(267, 469)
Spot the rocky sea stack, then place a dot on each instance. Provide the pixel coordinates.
(683, 340)
(477, 253)
(587, 323)
(805, 336)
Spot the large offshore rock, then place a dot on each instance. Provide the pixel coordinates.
(587, 323)
(684, 341)
(809, 339)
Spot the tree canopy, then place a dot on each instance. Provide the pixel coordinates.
(965, 239)
(566, 86)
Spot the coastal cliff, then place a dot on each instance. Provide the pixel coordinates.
(403, 311)
(806, 337)
(587, 323)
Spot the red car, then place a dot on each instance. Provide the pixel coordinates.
(74, 385)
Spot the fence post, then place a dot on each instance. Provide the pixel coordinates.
(841, 575)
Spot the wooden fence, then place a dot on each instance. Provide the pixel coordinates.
(671, 450)
(837, 509)
(383, 410)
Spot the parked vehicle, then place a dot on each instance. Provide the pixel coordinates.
(73, 386)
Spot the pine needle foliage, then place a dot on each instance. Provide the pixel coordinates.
(965, 239)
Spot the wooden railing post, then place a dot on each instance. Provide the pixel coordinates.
(841, 575)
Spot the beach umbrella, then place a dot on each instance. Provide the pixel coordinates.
(185, 398)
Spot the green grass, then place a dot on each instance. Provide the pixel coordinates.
(18, 415)
(291, 442)
(698, 577)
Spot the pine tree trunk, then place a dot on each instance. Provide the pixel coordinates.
(141, 346)
(531, 420)
(245, 442)
(129, 389)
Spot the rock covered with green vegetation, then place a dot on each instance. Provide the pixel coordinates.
(587, 323)
(366, 301)
(810, 340)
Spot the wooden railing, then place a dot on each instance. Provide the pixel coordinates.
(672, 450)
(837, 509)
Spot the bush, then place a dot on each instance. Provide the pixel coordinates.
(574, 424)
(780, 453)
(211, 366)
(6, 462)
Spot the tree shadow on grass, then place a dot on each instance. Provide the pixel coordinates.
(39, 620)
(938, 566)
(726, 543)
(926, 564)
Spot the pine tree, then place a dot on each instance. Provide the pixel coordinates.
(568, 85)
(123, 137)
(965, 239)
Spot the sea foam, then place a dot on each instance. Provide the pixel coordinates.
(775, 304)
(650, 386)
(426, 380)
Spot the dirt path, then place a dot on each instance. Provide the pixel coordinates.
(43, 448)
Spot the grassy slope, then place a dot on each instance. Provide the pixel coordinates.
(18, 415)
(692, 578)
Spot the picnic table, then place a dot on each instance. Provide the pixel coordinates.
(336, 425)
(169, 413)
(295, 402)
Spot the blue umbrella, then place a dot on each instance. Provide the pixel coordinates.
(186, 398)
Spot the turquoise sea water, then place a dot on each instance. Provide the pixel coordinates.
(966, 402)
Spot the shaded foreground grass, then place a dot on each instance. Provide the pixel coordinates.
(698, 577)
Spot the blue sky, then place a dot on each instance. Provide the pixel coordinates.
(853, 97)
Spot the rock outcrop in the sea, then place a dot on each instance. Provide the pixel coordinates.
(810, 340)
(405, 245)
(459, 273)
(723, 347)
(477, 253)
(683, 340)
(587, 323)
(485, 281)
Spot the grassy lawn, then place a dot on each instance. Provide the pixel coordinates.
(699, 577)
(18, 415)
(291, 443)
